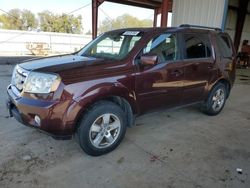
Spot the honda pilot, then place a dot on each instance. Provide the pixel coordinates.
(96, 93)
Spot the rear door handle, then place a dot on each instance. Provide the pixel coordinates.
(176, 72)
(210, 66)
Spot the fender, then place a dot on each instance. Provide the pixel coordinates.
(105, 90)
(85, 95)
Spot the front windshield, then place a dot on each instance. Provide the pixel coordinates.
(112, 45)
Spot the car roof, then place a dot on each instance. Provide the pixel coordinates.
(168, 29)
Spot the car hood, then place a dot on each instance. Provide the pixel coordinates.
(74, 68)
(57, 63)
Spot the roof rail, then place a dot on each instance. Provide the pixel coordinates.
(201, 27)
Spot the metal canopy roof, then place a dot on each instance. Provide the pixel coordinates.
(159, 6)
(151, 4)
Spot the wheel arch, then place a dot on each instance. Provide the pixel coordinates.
(125, 101)
(227, 85)
(222, 81)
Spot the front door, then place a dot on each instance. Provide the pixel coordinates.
(160, 85)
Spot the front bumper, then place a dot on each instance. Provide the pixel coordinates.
(55, 117)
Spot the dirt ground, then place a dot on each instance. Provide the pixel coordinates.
(170, 148)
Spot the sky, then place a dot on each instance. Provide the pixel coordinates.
(107, 9)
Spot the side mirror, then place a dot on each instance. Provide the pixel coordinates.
(149, 60)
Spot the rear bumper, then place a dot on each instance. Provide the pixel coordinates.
(55, 118)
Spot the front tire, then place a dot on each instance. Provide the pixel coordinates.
(216, 100)
(102, 128)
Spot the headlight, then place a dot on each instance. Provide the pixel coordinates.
(41, 83)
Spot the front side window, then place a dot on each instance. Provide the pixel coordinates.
(197, 46)
(164, 46)
(112, 45)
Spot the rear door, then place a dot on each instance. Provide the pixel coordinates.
(199, 64)
(160, 85)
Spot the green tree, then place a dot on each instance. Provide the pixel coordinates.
(18, 20)
(46, 20)
(29, 20)
(12, 20)
(60, 23)
(123, 21)
(25, 20)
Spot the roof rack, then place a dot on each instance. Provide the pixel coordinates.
(200, 27)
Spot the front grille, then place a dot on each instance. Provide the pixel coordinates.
(18, 77)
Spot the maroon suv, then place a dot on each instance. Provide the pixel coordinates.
(96, 92)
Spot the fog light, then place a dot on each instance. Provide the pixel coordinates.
(38, 120)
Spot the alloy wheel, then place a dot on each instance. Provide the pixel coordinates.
(105, 130)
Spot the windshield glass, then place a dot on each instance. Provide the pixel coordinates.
(112, 45)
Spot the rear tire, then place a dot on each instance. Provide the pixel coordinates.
(216, 100)
(102, 128)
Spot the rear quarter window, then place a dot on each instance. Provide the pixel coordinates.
(224, 45)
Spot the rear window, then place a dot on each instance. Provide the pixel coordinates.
(224, 46)
(197, 46)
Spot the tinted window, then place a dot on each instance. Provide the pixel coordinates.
(164, 46)
(197, 46)
(224, 46)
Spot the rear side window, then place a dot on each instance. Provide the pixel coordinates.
(197, 46)
(224, 46)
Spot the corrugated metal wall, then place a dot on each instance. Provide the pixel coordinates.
(198, 12)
